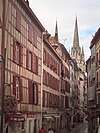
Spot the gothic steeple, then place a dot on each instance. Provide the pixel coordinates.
(76, 38)
(76, 50)
(56, 32)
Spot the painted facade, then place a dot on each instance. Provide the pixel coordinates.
(21, 35)
(64, 108)
(51, 86)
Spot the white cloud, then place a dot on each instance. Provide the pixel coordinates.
(65, 11)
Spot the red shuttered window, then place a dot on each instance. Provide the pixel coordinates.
(33, 92)
(17, 87)
(35, 64)
(31, 62)
(17, 52)
(18, 21)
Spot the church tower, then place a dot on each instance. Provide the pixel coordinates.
(76, 52)
(56, 33)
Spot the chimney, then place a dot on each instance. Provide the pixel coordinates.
(27, 2)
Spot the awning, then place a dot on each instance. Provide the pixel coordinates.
(47, 117)
(18, 117)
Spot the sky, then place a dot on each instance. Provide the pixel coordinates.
(65, 12)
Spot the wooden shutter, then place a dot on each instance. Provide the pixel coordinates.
(18, 20)
(35, 39)
(30, 33)
(36, 94)
(30, 91)
(14, 49)
(43, 76)
(14, 85)
(27, 59)
(33, 62)
(36, 65)
(21, 55)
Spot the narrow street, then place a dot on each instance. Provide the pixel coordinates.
(79, 128)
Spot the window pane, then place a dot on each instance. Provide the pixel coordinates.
(17, 53)
(17, 88)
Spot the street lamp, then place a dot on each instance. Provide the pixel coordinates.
(2, 60)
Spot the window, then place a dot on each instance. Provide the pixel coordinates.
(17, 87)
(35, 64)
(45, 98)
(33, 92)
(17, 52)
(32, 62)
(62, 102)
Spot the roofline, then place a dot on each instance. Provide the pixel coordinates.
(54, 51)
(31, 13)
(95, 38)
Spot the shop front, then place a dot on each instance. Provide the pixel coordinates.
(51, 121)
(14, 123)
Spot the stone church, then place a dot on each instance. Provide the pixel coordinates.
(77, 54)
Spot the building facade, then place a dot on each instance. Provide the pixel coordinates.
(96, 40)
(21, 36)
(51, 86)
(64, 107)
(93, 72)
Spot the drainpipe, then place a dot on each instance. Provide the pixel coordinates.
(42, 78)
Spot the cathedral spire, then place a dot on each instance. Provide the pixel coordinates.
(76, 38)
(56, 32)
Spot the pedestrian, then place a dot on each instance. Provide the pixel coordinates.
(41, 130)
(50, 130)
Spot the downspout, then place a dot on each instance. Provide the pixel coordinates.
(42, 78)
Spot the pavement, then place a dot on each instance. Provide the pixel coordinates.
(79, 128)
